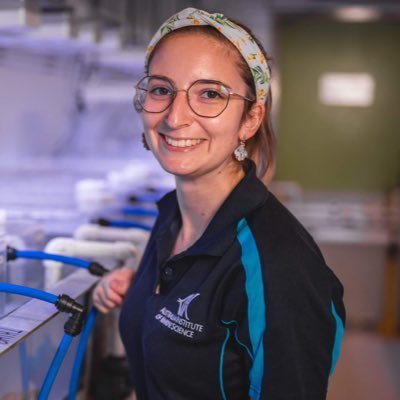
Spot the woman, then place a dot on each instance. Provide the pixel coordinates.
(232, 299)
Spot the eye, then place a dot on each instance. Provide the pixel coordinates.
(209, 91)
(160, 91)
(211, 94)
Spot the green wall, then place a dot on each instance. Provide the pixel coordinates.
(330, 147)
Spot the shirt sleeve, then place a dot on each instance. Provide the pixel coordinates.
(292, 323)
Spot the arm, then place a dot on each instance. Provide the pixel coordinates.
(111, 289)
(292, 312)
(288, 321)
(304, 327)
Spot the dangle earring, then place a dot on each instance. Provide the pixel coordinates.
(144, 142)
(241, 152)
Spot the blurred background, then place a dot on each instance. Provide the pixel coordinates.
(70, 146)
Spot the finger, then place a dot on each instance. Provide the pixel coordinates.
(105, 303)
(101, 308)
(98, 292)
(120, 286)
(114, 298)
(123, 280)
(110, 294)
(108, 301)
(102, 298)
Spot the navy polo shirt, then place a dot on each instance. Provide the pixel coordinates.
(249, 311)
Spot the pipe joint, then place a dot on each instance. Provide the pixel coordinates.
(74, 324)
(97, 269)
(11, 253)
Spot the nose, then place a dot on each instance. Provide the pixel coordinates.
(179, 113)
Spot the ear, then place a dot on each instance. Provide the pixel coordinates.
(252, 121)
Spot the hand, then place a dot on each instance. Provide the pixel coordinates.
(110, 291)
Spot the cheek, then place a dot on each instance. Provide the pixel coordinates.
(150, 121)
(226, 127)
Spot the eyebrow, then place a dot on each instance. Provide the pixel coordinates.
(191, 83)
(162, 77)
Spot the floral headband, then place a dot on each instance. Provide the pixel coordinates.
(241, 39)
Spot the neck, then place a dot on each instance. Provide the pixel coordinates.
(199, 199)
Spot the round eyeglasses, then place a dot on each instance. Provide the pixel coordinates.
(206, 98)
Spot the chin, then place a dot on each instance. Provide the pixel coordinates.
(176, 168)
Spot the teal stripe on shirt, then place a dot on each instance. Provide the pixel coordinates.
(221, 365)
(338, 338)
(256, 304)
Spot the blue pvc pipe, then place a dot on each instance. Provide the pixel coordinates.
(40, 255)
(29, 292)
(139, 211)
(130, 224)
(55, 366)
(76, 369)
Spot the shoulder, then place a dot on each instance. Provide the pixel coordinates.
(287, 251)
(277, 230)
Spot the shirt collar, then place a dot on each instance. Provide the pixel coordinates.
(249, 194)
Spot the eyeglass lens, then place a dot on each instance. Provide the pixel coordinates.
(206, 98)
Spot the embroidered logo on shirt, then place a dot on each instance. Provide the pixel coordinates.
(180, 323)
(184, 304)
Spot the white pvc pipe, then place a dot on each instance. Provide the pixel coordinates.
(109, 233)
(17, 242)
(119, 251)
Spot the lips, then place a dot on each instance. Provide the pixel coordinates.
(181, 142)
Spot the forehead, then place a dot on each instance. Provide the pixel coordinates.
(190, 56)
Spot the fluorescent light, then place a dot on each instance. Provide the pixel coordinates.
(346, 89)
(357, 14)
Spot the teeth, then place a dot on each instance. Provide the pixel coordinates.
(183, 142)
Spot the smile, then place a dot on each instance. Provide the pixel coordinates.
(182, 142)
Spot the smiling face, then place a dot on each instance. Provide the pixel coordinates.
(185, 144)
